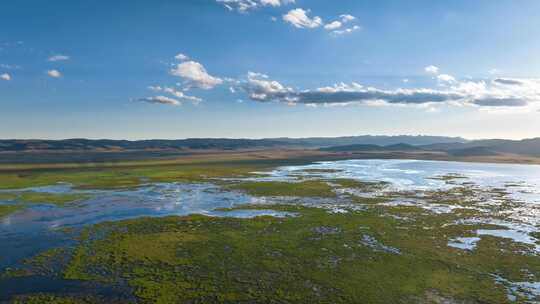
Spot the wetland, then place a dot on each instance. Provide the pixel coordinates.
(348, 231)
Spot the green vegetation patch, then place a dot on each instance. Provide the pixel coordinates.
(8, 196)
(24, 199)
(360, 185)
(299, 189)
(111, 178)
(6, 210)
(316, 257)
(58, 199)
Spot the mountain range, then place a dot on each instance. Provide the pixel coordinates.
(454, 146)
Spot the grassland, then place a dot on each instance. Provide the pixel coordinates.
(137, 174)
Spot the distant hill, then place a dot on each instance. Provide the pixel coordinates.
(528, 147)
(124, 145)
(15, 145)
(489, 147)
(370, 148)
(474, 151)
(320, 142)
(451, 145)
(352, 148)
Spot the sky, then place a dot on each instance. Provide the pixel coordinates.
(140, 69)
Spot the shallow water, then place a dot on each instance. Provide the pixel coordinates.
(41, 226)
(38, 227)
(522, 180)
(465, 243)
(36, 284)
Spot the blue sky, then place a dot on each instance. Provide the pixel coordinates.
(268, 68)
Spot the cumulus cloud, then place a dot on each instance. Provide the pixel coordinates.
(445, 78)
(247, 5)
(347, 30)
(176, 93)
(347, 18)
(333, 25)
(161, 100)
(5, 77)
(431, 69)
(58, 58)
(342, 26)
(181, 57)
(54, 73)
(195, 75)
(259, 87)
(299, 18)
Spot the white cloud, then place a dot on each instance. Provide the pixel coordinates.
(431, 69)
(176, 93)
(347, 30)
(54, 73)
(195, 75)
(180, 94)
(161, 100)
(347, 18)
(473, 93)
(155, 88)
(259, 87)
(5, 77)
(445, 78)
(247, 5)
(58, 58)
(340, 27)
(299, 18)
(181, 57)
(333, 25)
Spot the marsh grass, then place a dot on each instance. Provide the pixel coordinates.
(297, 189)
